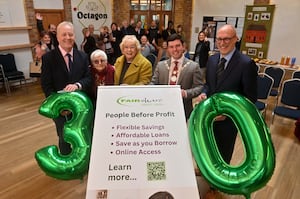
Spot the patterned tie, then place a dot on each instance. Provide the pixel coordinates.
(220, 68)
(70, 62)
(174, 74)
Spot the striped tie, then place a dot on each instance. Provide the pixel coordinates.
(220, 68)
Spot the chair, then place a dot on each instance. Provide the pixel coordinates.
(264, 86)
(152, 58)
(3, 79)
(257, 68)
(277, 74)
(289, 103)
(9, 71)
(296, 74)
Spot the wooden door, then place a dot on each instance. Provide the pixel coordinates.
(51, 17)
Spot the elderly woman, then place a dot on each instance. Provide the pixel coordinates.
(132, 68)
(102, 71)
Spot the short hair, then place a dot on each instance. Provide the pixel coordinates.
(84, 30)
(174, 37)
(64, 23)
(97, 53)
(161, 195)
(130, 38)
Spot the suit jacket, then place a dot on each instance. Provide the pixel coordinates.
(239, 76)
(55, 75)
(138, 73)
(189, 80)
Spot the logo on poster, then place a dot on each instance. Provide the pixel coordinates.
(129, 101)
(91, 10)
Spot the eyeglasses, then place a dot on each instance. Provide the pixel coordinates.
(99, 61)
(225, 40)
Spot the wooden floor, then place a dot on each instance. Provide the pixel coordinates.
(23, 131)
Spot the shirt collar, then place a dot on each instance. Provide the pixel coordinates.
(228, 57)
(63, 52)
(180, 60)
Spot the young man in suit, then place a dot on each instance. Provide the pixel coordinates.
(181, 71)
(238, 74)
(65, 69)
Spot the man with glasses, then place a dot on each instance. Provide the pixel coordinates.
(228, 70)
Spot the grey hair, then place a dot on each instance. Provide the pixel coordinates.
(98, 53)
(64, 23)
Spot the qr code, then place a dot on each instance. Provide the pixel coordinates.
(156, 171)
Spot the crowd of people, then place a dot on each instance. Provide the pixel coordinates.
(118, 56)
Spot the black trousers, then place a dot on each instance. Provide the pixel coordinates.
(64, 147)
(225, 133)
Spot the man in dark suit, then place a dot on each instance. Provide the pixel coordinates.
(187, 75)
(65, 69)
(239, 75)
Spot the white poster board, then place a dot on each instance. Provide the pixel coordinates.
(140, 145)
(5, 20)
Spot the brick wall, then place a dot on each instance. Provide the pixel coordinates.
(120, 11)
(183, 15)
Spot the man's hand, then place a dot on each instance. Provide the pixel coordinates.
(71, 87)
(200, 97)
(220, 118)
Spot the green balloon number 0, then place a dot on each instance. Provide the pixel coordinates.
(259, 162)
(77, 132)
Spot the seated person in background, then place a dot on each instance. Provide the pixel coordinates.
(132, 68)
(146, 47)
(102, 71)
(43, 46)
(162, 51)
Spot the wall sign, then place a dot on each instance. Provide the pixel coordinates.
(85, 12)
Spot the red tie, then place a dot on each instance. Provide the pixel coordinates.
(174, 74)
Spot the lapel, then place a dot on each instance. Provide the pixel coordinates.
(133, 68)
(184, 68)
(60, 60)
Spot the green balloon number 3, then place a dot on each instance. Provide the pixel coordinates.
(259, 162)
(77, 132)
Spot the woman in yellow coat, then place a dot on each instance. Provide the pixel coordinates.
(132, 68)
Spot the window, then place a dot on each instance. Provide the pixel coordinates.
(149, 10)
